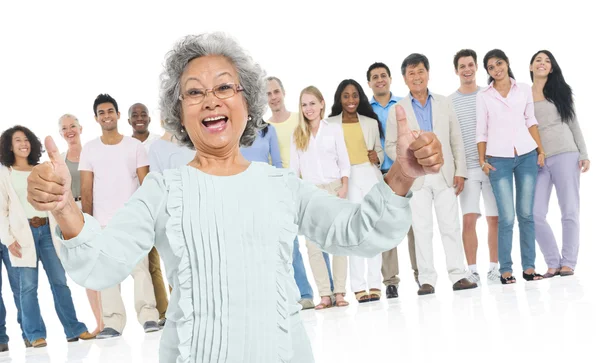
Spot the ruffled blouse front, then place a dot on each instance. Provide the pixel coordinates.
(227, 246)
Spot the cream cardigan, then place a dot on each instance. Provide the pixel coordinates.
(14, 225)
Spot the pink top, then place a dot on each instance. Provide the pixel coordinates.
(115, 173)
(504, 122)
(325, 159)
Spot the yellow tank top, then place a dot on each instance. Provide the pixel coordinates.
(284, 131)
(355, 143)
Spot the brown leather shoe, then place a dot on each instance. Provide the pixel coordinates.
(39, 343)
(463, 284)
(426, 289)
(83, 336)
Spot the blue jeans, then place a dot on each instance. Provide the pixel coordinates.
(13, 280)
(300, 273)
(525, 171)
(33, 325)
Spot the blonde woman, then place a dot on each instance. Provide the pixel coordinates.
(318, 155)
(70, 130)
(361, 127)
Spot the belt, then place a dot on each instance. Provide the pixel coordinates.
(36, 222)
(77, 199)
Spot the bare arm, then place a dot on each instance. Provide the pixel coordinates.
(142, 172)
(481, 150)
(87, 191)
(535, 134)
(481, 147)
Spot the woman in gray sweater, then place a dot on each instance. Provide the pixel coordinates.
(566, 159)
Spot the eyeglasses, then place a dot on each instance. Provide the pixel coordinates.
(194, 96)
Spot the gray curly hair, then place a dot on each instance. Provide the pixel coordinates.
(252, 79)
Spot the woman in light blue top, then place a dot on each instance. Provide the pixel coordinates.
(264, 148)
(225, 226)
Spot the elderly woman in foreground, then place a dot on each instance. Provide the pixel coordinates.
(225, 226)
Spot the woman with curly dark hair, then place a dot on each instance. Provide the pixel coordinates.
(27, 234)
(362, 130)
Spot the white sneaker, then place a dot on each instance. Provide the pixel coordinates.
(307, 304)
(474, 277)
(494, 274)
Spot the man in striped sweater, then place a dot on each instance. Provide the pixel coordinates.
(477, 183)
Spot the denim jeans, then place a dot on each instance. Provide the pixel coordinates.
(33, 324)
(13, 280)
(525, 170)
(300, 273)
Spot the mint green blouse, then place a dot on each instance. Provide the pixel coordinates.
(227, 246)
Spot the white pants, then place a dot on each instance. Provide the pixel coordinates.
(362, 178)
(113, 310)
(478, 186)
(435, 192)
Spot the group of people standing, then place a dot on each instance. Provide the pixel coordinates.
(491, 137)
(105, 173)
(488, 134)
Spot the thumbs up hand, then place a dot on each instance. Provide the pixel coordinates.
(49, 184)
(417, 153)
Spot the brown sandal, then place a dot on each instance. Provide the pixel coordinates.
(322, 305)
(342, 303)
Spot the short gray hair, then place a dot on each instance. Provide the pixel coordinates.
(252, 79)
(67, 115)
(273, 78)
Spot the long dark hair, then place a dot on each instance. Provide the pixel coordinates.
(496, 53)
(364, 106)
(556, 89)
(7, 156)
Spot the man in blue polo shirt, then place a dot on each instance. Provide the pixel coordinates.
(380, 79)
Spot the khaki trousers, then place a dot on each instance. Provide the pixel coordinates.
(389, 265)
(317, 262)
(113, 309)
(160, 293)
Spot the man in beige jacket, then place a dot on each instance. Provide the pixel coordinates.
(426, 111)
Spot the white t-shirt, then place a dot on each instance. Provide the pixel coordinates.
(115, 173)
(149, 141)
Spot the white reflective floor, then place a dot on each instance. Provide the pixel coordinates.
(551, 320)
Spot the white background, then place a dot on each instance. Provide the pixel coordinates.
(55, 57)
